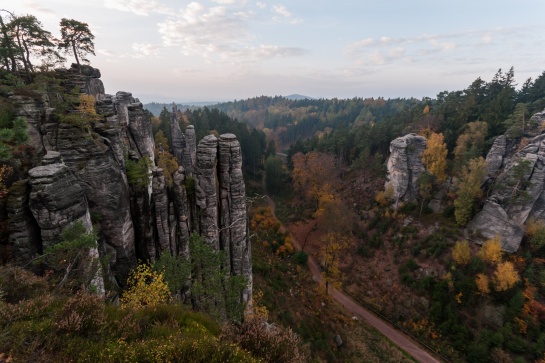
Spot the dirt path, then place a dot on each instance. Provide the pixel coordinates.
(397, 337)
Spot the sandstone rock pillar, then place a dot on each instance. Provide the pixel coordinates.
(233, 218)
(205, 190)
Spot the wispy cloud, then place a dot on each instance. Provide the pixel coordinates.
(138, 7)
(282, 14)
(197, 29)
(385, 50)
(222, 32)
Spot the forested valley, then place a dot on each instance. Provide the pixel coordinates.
(191, 233)
(412, 260)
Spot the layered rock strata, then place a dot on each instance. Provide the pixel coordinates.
(517, 178)
(85, 172)
(405, 166)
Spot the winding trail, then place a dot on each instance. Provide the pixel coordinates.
(399, 338)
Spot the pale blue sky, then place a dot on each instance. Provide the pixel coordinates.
(231, 49)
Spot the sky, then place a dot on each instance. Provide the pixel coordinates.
(220, 50)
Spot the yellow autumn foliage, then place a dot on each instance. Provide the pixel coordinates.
(491, 251)
(461, 252)
(505, 276)
(435, 156)
(146, 288)
(483, 284)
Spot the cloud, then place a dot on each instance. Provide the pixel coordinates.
(230, 2)
(264, 52)
(284, 15)
(425, 47)
(200, 30)
(138, 7)
(38, 8)
(142, 50)
(261, 5)
(218, 32)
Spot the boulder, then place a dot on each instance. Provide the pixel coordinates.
(493, 220)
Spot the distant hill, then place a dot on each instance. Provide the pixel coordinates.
(296, 97)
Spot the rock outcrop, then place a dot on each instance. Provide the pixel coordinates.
(85, 172)
(517, 178)
(405, 166)
(56, 200)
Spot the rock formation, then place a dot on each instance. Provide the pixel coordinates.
(405, 166)
(190, 151)
(233, 221)
(517, 176)
(84, 173)
(56, 201)
(176, 135)
(205, 190)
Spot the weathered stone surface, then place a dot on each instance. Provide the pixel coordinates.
(141, 131)
(518, 193)
(405, 166)
(24, 233)
(494, 158)
(491, 221)
(177, 137)
(190, 151)
(56, 200)
(181, 209)
(233, 219)
(105, 186)
(205, 190)
(33, 111)
(87, 81)
(160, 205)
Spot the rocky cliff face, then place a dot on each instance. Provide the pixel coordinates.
(516, 172)
(83, 173)
(405, 166)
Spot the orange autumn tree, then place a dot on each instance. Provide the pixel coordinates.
(483, 284)
(435, 156)
(313, 175)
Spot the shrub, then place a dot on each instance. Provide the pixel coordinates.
(138, 172)
(268, 342)
(83, 314)
(146, 288)
(300, 258)
(20, 284)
